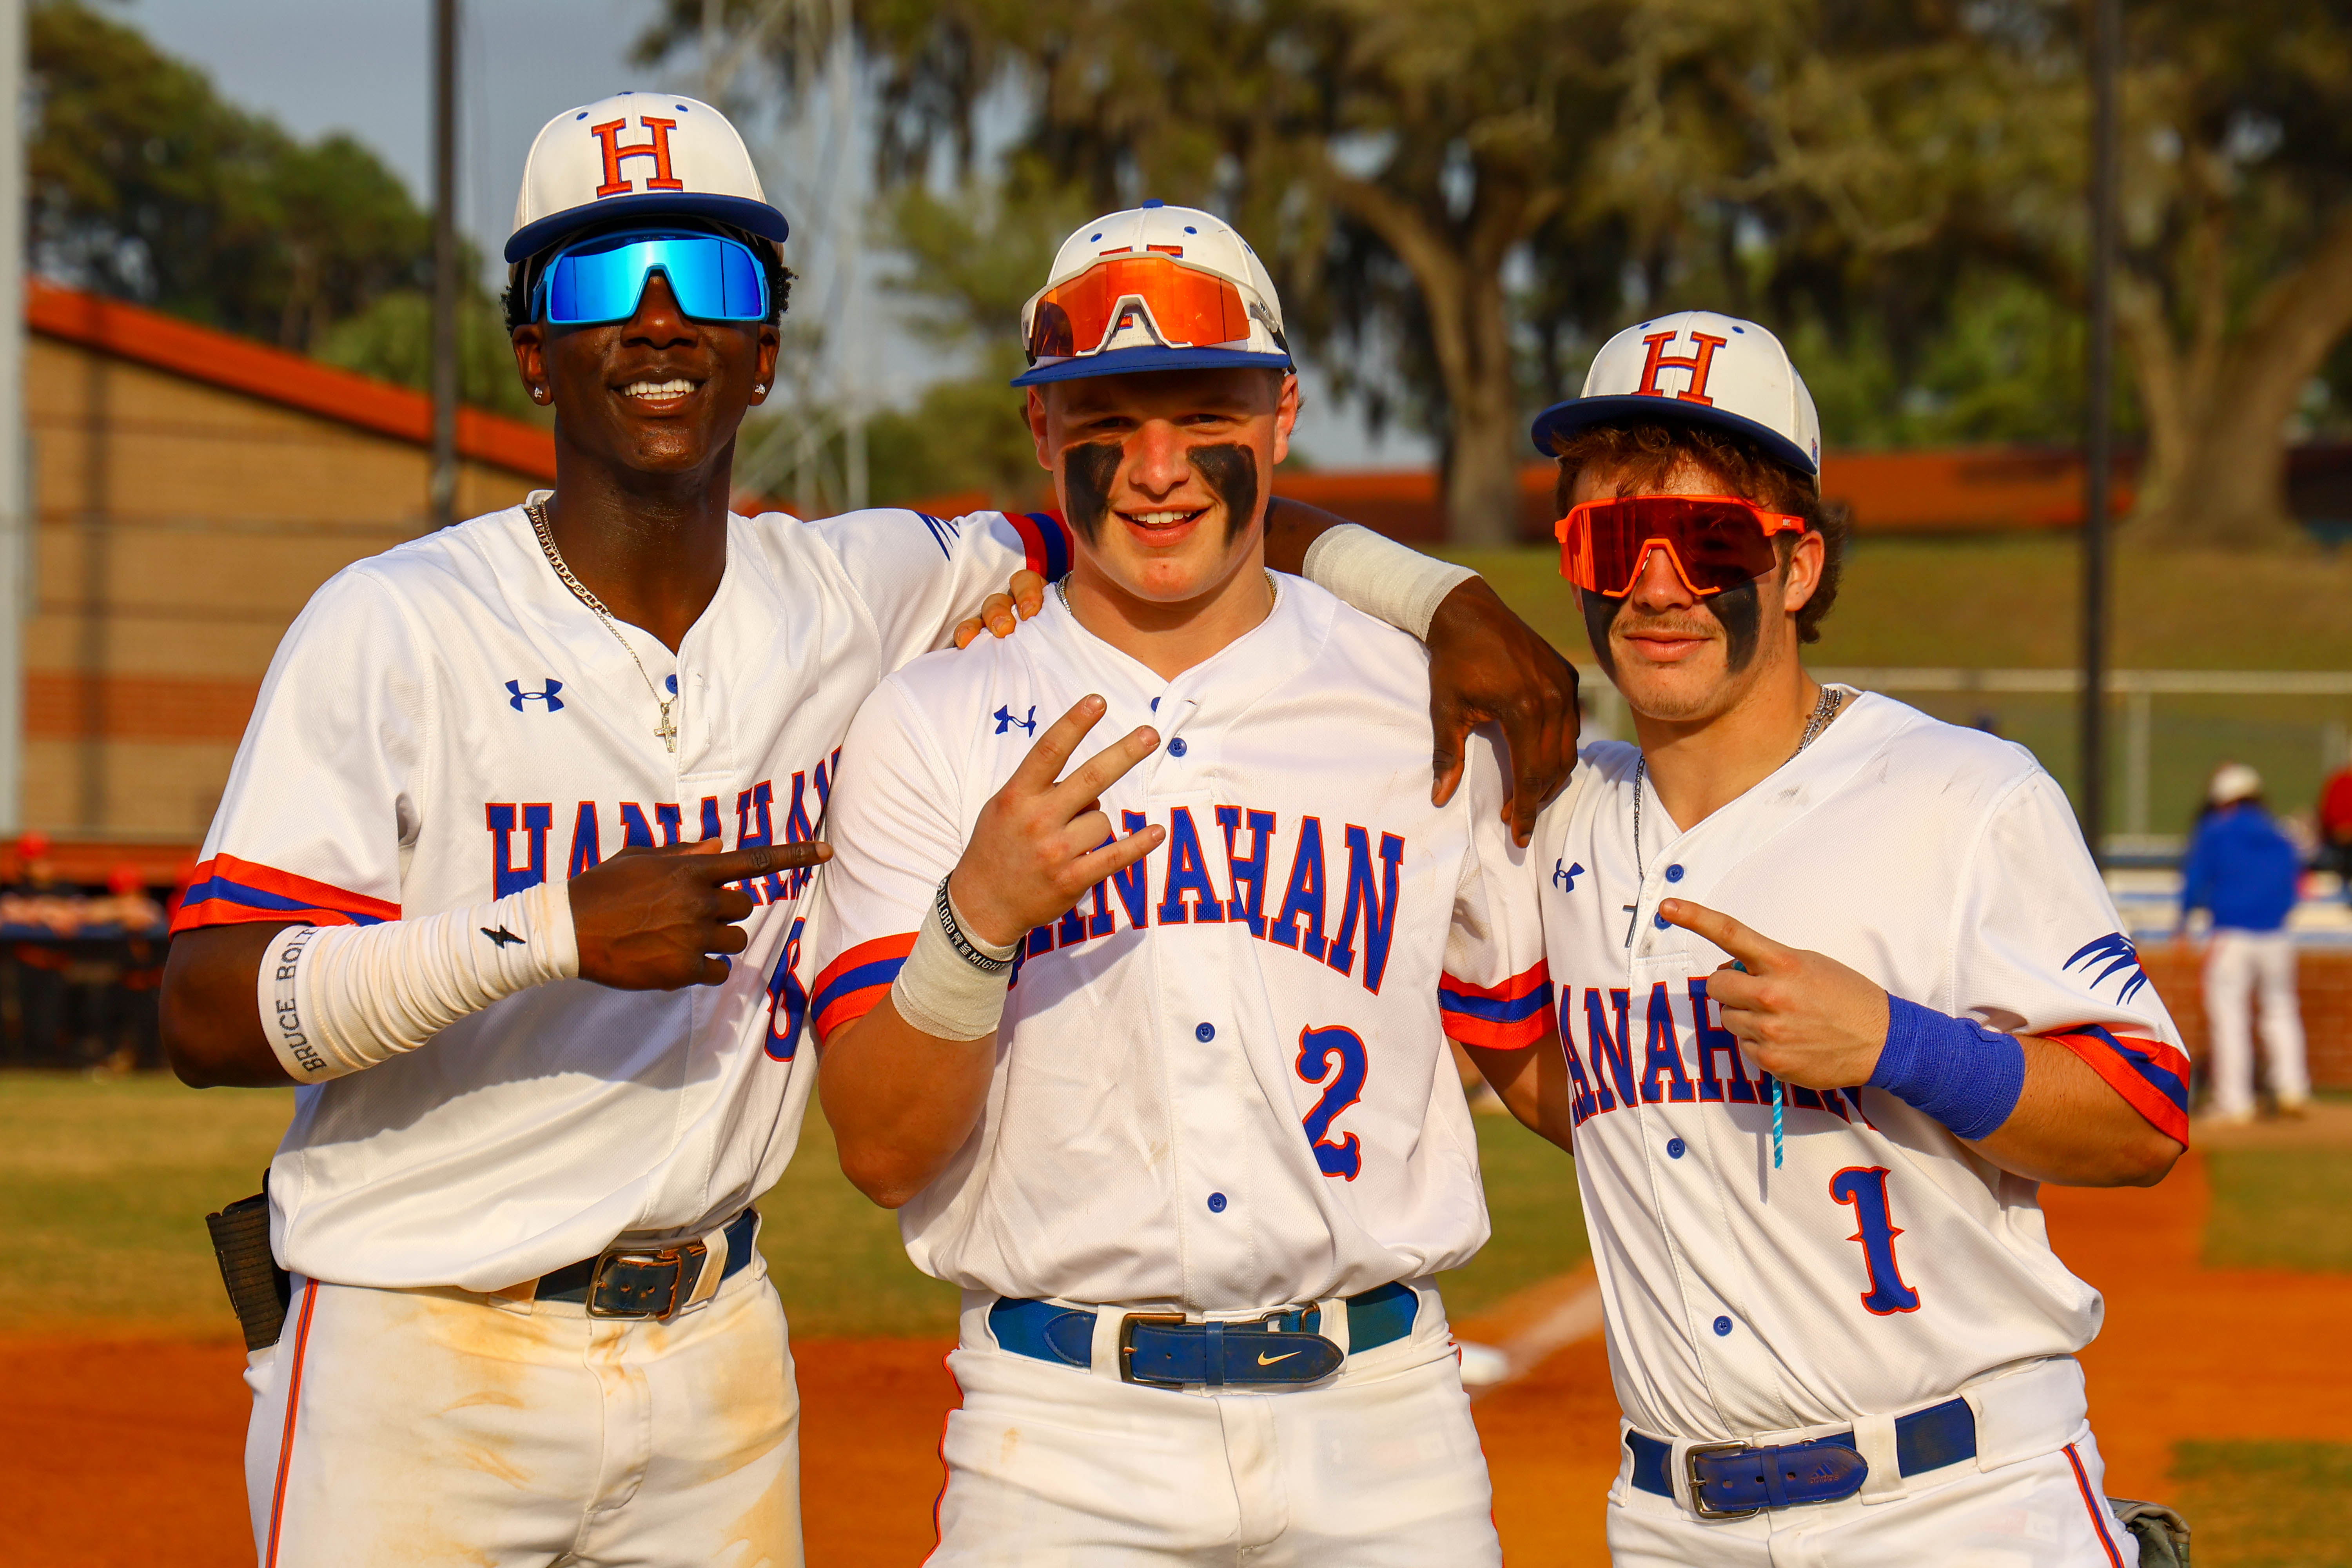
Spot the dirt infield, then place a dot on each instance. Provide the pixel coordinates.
(127, 1451)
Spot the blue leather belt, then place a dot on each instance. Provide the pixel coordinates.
(647, 1282)
(1164, 1351)
(1732, 1480)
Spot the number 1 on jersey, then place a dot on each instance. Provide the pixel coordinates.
(1865, 1187)
(1342, 1087)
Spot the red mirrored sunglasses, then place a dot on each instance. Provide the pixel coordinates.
(1712, 542)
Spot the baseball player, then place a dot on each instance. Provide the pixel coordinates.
(506, 880)
(1838, 985)
(1151, 1049)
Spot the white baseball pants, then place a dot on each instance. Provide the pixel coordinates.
(430, 1427)
(1053, 1466)
(2239, 966)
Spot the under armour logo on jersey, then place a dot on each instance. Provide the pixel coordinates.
(1006, 721)
(2121, 958)
(1564, 877)
(500, 937)
(517, 696)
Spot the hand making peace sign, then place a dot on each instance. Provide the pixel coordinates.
(1040, 844)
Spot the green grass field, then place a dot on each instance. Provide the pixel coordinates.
(2263, 1505)
(2281, 1208)
(104, 1185)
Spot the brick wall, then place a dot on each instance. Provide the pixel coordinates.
(2326, 979)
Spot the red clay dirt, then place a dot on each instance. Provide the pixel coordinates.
(126, 1452)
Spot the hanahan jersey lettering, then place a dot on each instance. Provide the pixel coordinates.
(1337, 887)
(521, 833)
(1666, 1046)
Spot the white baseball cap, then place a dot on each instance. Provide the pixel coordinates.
(1701, 368)
(1201, 276)
(637, 154)
(2233, 782)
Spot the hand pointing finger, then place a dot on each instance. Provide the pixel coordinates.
(1757, 952)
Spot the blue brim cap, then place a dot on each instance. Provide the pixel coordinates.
(756, 217)
(1639, 408)
(1133, 362)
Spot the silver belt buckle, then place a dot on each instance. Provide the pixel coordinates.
(1699, 1505)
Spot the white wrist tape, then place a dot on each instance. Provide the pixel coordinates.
(335, 999)
(943, 994)
(1381, 577)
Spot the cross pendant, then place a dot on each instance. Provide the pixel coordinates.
(667, 731)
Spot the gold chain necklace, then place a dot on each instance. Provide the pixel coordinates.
(668, 731)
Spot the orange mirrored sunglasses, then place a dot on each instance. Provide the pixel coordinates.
(1190, 308)
(1714, 542)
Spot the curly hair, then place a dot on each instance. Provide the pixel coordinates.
(1643, 457)
(522, 277)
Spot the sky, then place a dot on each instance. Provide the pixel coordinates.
(363, 65)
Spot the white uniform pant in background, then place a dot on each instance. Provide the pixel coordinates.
(2238, 965)
(2044, 1512)
(430, 1427)
(1053, 1466)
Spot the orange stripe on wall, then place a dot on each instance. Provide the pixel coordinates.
(59, 707)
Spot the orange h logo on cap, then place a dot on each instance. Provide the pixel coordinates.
(617, 184)
(1698, 362)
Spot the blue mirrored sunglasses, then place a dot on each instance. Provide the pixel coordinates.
(602, 279)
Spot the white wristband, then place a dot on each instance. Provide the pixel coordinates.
(335, 999)
(943, 995)
(1381, 577)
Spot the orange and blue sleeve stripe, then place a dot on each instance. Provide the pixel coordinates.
(1505, 1017)
(225, 891)
(2152, 1076)
(854, 984)
(1046, 541)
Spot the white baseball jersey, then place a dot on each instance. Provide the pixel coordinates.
(1221, 1081)
(445, 723)
(1884, 1264)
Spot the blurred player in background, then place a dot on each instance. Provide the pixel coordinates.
(2334, 824)
(507, 878)
(2243, 871)
(1194, 1170)
(1838, 985)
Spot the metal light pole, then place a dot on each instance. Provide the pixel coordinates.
(443, 499)
(15, 508)
(2098, 445)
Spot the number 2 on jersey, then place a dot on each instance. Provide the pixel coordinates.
(1864, 1189)
(1342, 1087)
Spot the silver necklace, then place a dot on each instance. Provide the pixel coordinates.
(1832, 702)
(668, 731)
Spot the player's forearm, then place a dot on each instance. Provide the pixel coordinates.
(2072, 1129)
(1291, 528)
(1532, 1084)
(901, 1103)
(210, 1026)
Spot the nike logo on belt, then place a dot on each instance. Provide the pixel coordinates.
(1266, 1359)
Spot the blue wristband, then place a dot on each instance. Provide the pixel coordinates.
(1959, 1072)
